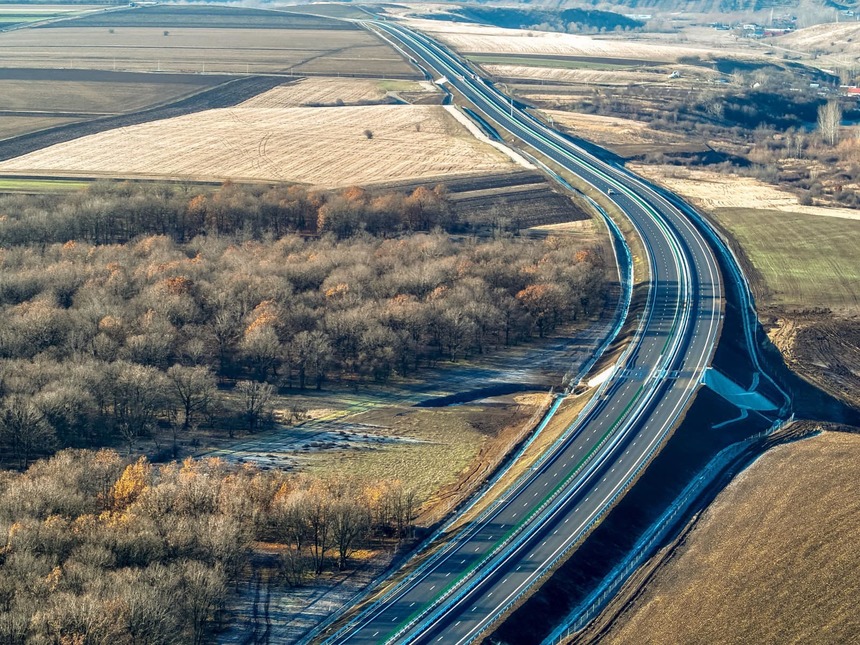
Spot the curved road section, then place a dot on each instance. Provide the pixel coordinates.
(489, 565)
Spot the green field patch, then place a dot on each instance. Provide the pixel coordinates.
(804, 260)
(15, 185)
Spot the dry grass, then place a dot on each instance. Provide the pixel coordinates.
(585, 228)
(585, 76)
(841, 38)
(613, 132)
(196, 50)
(12, 126)
(565, 415)
(479, 38)
(315, 146)
(773, 560)
(319, 91)
(94, 97)
(446, 442)
(711, 190)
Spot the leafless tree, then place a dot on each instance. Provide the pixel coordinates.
(255, 399)
(829, 120)
(193, 389)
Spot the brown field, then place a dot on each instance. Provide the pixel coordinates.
(479, 38)
(842, 38)
(327, 91)
(91, 97)
(584, 76)
(711, 190)
(773, 560)
(624, 136)
(320, 147)
(202, 50)
(12, 126)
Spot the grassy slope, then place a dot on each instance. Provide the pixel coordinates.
(759, 568)
(805, 261)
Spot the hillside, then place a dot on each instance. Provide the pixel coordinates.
(555, 20)
(840, 37)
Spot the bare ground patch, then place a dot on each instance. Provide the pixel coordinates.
(601, 77)
(479, 38)
(801, 261)
(711, 190)
(769, 561)
(319, 91)
(333, 147)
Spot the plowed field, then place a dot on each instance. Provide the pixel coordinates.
(328, 147)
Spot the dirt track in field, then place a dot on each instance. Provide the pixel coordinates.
(335, 146)
(224, 95)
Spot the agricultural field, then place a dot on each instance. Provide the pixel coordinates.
(28, 96)
(209, 50)
(830, 38)
(472, 38)
(12, 126)
(626, 137)
(95, 93)
(321, 91)
(812, 262)
(711, 190)
(333, 147)
(768, 562)
(16, 15)
(204, 40)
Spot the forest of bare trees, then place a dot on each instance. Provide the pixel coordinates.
(100, 551)
(108, 343)
(116, 212)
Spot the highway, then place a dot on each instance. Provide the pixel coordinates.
(491, 563)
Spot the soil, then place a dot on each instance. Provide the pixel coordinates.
(323, 147)
(755, 567)
(227, 94)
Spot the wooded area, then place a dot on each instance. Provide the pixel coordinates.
(98, 551)
(103, 344)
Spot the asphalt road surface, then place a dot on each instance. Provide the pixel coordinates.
(491, 563)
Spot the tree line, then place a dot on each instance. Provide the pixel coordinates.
(97, 550)
(116, 212)
(106, 343)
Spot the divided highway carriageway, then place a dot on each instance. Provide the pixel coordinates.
(489, 565)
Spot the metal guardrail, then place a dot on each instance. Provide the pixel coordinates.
(466, 588)
(583, 614)
(626, 280)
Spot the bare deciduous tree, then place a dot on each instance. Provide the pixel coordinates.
(829, 120)
(255, 401)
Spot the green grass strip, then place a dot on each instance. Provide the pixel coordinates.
(539, 506)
